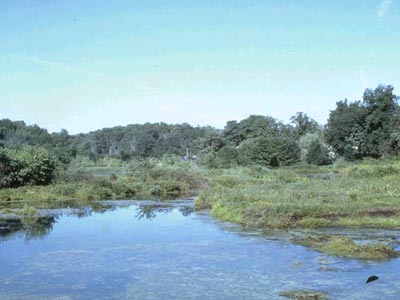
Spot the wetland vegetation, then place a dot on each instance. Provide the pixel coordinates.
(258, 172)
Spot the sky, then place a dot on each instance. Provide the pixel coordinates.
(85, 65)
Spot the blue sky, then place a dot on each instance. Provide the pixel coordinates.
(85, 65)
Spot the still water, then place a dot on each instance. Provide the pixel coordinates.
(164, 250)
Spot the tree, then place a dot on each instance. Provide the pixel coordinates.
(345, 123)
(272, 151)
(367, 128)
(252, 127)
(317, 154)
(28, 165)
(303, 124)
(381, 120)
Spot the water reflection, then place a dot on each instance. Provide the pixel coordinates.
(30, 228)
(151, 211)
(42, 224)
(146, 250)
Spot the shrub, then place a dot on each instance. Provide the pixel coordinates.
(27, 165)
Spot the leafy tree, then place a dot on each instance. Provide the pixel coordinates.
(9, 169)
(252, 127)
(382, 117)
(367, 128)
(63, 147)
(317, 154)
(28, 165)
(303, 124)
(227, 157)
(344, 125)
(272, 151)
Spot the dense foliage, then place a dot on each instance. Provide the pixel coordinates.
(367, 128)
(27, 165)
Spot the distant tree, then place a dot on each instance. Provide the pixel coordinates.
(382, 119)
(303, 124)
(367, 128)
(273, 151)
(63, 147)
(344, 128)
(317, 154)
(227, 157)
(252, 127)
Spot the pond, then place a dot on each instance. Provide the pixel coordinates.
(165, 250)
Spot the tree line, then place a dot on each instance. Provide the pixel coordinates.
(357, 129)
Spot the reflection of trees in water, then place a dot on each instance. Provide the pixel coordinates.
(186, 210)
(151, 211)
(83, 212)
(30, 228)
(40, 226)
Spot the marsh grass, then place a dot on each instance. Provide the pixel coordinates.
(362, 194)
(161, 179)
(345, 247)
(304, 295)
(343, 194)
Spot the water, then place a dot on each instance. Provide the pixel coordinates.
(164, 250)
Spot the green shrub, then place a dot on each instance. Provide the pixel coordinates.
(27, 165)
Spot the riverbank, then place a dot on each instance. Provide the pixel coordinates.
(149, 179)
(364, 194)
(358, 194)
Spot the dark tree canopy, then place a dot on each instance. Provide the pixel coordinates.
(303, 124)
(368, 128)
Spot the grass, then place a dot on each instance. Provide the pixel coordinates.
(363, 194)
(345, 247)
(304, 295)
(151, 179)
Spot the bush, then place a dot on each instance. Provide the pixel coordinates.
(27, 165)
(317, 154)
(272, 152)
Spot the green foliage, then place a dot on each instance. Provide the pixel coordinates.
(272, 152)
(317, 153)
(363, 194)
(346, 247)
(250, 128)
(303, 124)
(368, 128)
(343, 128)
(27, 165)
(169, 177)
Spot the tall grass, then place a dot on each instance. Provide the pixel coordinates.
(362, 194)
(167, 178)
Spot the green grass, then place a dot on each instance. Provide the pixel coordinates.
(154, 179)
(363, 194)
(344, 194)
(345, 247)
